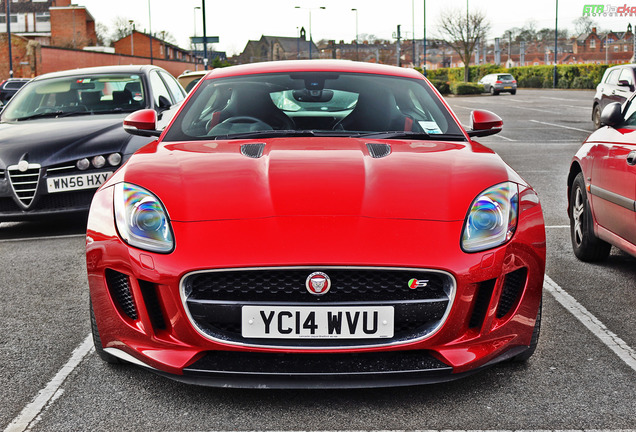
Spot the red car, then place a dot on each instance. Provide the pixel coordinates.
(602, 187)
(315, 224)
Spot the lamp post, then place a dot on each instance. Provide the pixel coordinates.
(132, 35)
(556, 40)
(205, 37)
(150, 31)
(310, 37)
(424, 42)
(356, 11)
(194, 15)
(8, 15)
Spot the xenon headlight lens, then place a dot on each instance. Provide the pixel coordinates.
(492, 218)
(141, 219)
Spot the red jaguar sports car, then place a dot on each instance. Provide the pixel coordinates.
(602, 186)
(315, 224)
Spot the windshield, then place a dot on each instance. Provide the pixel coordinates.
(312, 103)
(85, 94)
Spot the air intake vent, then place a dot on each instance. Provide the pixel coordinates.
(253, 150)
(482, 300)
(119, 287)
(379, 150)
(24, 181)
(512, 289)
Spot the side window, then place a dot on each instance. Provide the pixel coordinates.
(158, 88)
(175, 88)
(628, 75)
(612, 78)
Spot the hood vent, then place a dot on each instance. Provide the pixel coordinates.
(378, 150)
(253, 150)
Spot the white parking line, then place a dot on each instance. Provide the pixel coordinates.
(561, 126)
(610, 339)
(21, 239)
(31, 414)
(25, 420)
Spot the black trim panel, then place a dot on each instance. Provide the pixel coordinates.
(614, 198)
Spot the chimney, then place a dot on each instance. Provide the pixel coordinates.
(594, 30)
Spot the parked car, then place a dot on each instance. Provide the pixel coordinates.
(315, 224)
(499, 83)
(617, 85)
(602, 187)
(9, 87)
(189, 79)
(61, 135)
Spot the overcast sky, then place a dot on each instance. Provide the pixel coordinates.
(237, 21)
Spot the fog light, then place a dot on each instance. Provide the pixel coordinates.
(114, 159)
(83, 164)
(99, 161)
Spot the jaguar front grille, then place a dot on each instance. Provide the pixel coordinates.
(214, 300)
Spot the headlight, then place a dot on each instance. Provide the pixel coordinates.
(141, 219)
(492, 218)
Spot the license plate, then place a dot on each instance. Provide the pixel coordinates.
(508, 87)
(300, 322)
(77, 182)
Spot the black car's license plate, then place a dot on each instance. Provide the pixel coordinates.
(77, 182)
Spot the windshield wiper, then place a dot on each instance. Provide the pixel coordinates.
(265, 134)
(287, 133)
(414, 135)
(54, 114)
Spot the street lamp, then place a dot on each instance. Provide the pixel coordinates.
(310, 38)
(356, 11)
(194, 14)
(132, 36)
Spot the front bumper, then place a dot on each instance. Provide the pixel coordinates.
(492, 316)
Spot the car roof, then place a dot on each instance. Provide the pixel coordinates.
(141, 69)
(286, 66)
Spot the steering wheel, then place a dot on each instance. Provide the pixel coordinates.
(246, 119)
(239, 124)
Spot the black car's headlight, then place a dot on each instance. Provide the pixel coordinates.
(141, 219)
(492, 218)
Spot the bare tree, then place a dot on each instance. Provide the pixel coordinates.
(584, 25)
(461, 31)
(122, 27)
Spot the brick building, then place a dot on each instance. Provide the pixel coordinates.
(138, 44)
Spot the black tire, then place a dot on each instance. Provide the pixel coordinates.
(513, 92)
(524, 356)
(97, 341)
(596, 116)
(493, 92)
(587, 247)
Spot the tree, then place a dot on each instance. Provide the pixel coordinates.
(122, 27)
(461, 31)
(103, 36)
(584, 25)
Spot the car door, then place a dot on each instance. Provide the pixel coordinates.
(613, 183)
(624, 86)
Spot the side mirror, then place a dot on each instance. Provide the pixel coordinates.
(625, 83)
(164, 103)
(612, 114)
(142, 123)
(484, 123)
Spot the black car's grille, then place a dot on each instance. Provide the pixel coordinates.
(24, 181)
(76, 200)
(214, 299)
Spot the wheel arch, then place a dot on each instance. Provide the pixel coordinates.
(575, 169)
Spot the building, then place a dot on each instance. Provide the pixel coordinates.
(138, 44)
(50, 22)
(270, 48)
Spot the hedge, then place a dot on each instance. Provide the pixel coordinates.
(585, 76)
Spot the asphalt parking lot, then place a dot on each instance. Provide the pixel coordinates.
(582, 376)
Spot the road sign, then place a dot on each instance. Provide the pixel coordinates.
(199, 39)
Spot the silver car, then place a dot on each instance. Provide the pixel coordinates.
(498, 83)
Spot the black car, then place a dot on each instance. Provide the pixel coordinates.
(9, 87)
(61, 136)
(617, 85)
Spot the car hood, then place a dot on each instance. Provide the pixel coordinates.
(51, 141)
(312, 176)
